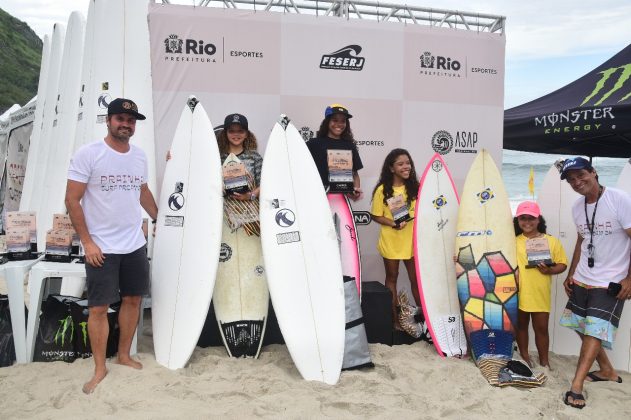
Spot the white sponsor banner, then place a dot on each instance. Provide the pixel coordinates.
(411, 86)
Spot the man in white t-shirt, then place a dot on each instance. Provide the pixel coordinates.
(600, 266)
(107, 186)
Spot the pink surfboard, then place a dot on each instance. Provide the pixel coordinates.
(347, 237)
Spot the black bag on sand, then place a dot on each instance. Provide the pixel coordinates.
(7, 347)
(55, 337)
(79, 311)
(356, 351)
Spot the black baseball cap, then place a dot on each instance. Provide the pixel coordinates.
(575, 164)
(235, 119)
(336, 109)
(124, 106)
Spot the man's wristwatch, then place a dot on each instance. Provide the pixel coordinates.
(252, 196)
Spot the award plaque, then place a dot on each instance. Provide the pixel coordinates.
(399, 209)
(235, 175)
(340, 163)
(537, 252)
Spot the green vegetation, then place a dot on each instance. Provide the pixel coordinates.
(20, 57)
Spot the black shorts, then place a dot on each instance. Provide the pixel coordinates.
(120, 275)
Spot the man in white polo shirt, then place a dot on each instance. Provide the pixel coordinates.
(107, 186)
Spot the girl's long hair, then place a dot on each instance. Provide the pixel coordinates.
(387, 177)
(347, 134)
(249, 143)
(541, 227)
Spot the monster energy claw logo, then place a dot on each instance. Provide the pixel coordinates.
(84, 332)
(61, 331)
(623, 77)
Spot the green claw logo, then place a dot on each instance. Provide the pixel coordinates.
(84, 332)
(605, 75)
(63, 327)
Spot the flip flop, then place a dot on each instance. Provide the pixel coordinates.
(596, 378)
(575, 397)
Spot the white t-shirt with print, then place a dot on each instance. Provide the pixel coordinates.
(612, 245)
(111, 203)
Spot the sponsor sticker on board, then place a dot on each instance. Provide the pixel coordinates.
(174, 221)
(287, 237)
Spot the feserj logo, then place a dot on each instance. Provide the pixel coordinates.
(346, 58)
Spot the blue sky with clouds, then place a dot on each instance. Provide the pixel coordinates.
(549, 43)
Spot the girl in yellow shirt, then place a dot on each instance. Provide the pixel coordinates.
(396, 192)
(535, 281)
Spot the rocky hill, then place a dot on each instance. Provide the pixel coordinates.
(20, 57)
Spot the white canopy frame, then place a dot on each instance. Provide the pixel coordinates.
(363, 9)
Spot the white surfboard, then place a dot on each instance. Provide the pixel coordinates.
(241, 298)
(302, 259)
(61, 138)
(41, 95)
(86, 91)
(555, 199)
(624, 179)
(620, 356)
(434, 241)
(38, 150)
(188, 238)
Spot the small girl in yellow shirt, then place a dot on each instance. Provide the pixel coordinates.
(535, 279)
(393, 202)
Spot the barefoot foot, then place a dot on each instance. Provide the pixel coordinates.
(128, 361)
(90, 386)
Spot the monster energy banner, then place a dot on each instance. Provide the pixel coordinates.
(63, 330)
(425, 89)
(590, 116)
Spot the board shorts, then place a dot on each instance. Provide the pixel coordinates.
(120, 275)
(591, 311)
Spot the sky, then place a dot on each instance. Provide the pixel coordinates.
(549, 43)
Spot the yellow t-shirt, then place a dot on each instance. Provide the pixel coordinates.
(534, 287)
(393, 244)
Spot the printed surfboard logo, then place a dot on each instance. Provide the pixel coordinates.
(439, 202)
(437, 166)
(285, 217)
(259, 270)
(485, 195)
(176, 199)
(475, 233)
(104, 100)
(351, 232)
(225, 253)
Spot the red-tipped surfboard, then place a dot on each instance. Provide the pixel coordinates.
(347, 237)
(434, 241)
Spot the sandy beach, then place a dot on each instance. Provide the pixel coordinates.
(408, 381)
